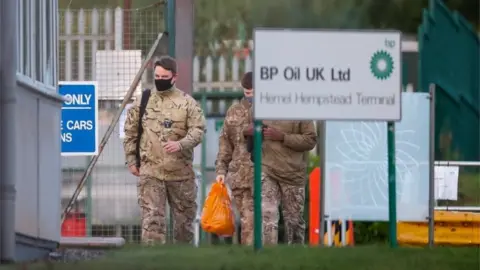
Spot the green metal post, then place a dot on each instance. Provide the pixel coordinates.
(88, 207)
(170, 25)
(392, 189)
(203, 170)
(257, 203)
(404, 76)
(242, 32)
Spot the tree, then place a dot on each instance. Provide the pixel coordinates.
(217, 21)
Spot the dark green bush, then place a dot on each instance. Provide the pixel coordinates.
(370, 232)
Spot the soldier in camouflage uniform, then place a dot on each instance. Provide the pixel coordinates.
(173, 124)
(284, 164)
(233, 158)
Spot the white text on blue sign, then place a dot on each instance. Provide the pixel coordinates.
(79, 119)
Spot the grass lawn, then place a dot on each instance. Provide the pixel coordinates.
(283, 257)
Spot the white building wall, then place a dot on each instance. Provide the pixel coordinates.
(38, 109)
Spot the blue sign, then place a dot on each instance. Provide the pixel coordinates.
(79, 126)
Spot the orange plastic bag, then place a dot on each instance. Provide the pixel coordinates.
(217, 215)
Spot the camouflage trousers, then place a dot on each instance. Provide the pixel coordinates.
(292, 200)
(241, 183)
(153, 194)
(243, 199)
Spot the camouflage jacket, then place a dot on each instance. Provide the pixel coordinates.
(233, 157)
(169, 115)
(287, 160)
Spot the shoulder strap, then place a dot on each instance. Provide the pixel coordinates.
(143, 106)
(144, 102)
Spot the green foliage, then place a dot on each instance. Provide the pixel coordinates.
(313, 162)
(370, 232)
(217, 21)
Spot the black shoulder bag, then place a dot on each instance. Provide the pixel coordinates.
(143, 105)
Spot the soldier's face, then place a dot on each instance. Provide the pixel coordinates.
(248, 92)
(164, 74)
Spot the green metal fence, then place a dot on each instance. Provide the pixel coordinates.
(449, 58)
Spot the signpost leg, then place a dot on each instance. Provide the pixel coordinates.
(322, 154)
(89, 203)
(203, 191)
(431, 186)
(392, 189)
(257, 203)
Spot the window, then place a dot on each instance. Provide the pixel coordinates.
(50, 41)
(24, 27)
(37, 38)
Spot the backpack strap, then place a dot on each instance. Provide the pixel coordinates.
(143, 106)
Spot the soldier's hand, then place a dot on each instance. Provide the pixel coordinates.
(220, 178)
(172, 146)
(134, 170)
(273, 134)
(248, 131)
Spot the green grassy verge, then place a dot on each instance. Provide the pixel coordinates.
(285, 258)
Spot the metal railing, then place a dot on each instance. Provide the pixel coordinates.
(461, 164)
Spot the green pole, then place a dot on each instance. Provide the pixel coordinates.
(257, 203)
(170, 25)
(88, 207)
(169, 18)
(203, 162)
(392, 189)
(242, 32)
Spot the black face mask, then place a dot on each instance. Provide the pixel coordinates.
(163, 84)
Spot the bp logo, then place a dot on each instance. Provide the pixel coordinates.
(381, 65)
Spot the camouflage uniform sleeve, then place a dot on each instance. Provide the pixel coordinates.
(225, 150)
(248, 122)
(195, 126)
(305, 141)
(131, 132)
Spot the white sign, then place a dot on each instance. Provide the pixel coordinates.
(327, 75)
(121, 121)
(446, 183)
(356, 175)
